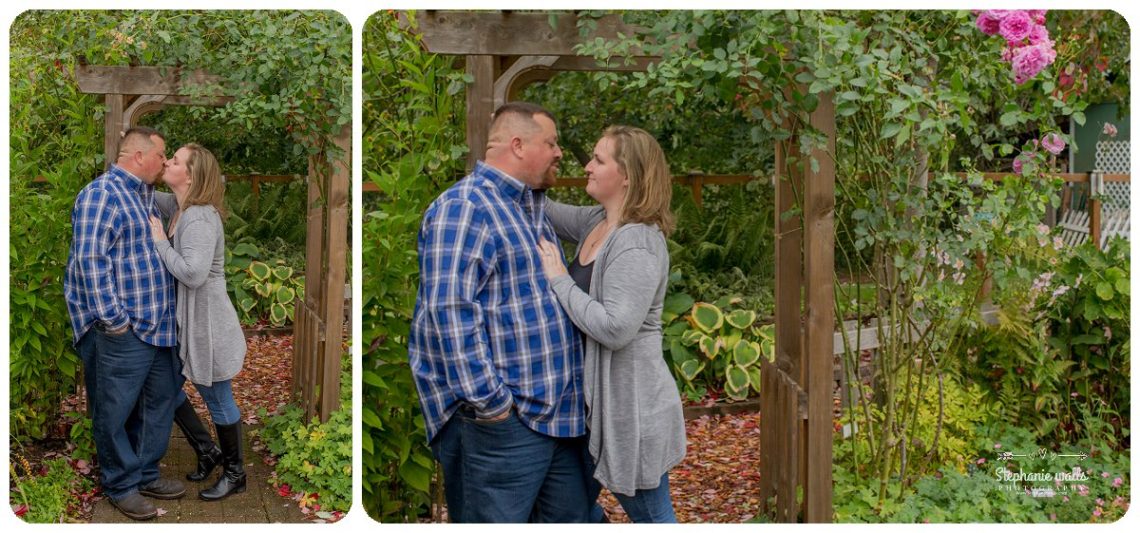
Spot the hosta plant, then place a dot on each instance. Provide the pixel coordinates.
(722, 347)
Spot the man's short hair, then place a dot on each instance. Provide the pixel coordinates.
(525, 109)
(520, 115)
(139, 135)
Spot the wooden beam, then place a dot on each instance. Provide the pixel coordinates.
(480, 105)
(142, 80)
(508, 33)
(819, 287)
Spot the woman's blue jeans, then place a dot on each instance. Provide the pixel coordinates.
(219, 398)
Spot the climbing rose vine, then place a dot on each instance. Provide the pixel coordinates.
(1028, 46)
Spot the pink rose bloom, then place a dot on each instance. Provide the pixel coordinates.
(1017, 164)
(1104, 474)
(1109, 129)
(1016, 26)
(1039, 34)
(1053, 143)
(1097, 513)
(1007, 53)
(1037, 15)
(1029, 60)
(988, 23)
(1117, 482)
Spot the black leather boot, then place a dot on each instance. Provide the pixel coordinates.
(209, 456)
(232, 479)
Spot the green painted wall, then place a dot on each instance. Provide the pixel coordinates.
(1096, 115)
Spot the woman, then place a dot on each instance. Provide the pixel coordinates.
(210, 339)
(613, 292)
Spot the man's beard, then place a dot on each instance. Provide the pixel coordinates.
(550, 177)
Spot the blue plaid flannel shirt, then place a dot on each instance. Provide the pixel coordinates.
(487, 330)
(114, 273)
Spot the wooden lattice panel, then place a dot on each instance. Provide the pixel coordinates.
(1114, 157)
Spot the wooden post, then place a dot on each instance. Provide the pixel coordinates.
(697, 182)
(789, 266)
(819, 262)
(336, 240)
(1096, 187)
(480, 105)
(304, 355)
(112, 132)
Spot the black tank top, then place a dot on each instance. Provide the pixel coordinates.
(581, 273)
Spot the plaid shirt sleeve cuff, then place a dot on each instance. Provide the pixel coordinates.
(498, 405)
(119, 323)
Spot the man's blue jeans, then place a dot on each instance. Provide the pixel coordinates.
(505, 472)
(131, 387)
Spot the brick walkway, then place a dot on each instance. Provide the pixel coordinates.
(259, 504)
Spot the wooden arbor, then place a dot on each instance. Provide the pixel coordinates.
(506, 51)
(796, 429)
(133, 91)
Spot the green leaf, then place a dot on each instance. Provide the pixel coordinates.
(710, 346)
(416, 476)
(746, 353)
(890, 129)
(736, 382)
(259, 271)
(691, 368)
(278, 314)
(754, 378)
(1104, 290)
(707, 317)
(741, 318)
(286, 295)
(677, 303)
(282, 273)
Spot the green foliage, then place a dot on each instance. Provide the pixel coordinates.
(82, 436)
(315, 457)
(49, 496)
(1058, 358)
(1097, 489)
(714, 346)
(414, 147)
(52, 135)
(273, 219)
(260, 291)
(270, 292)
(1099, 477)
(709, 240)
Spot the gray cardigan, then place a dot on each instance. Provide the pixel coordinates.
(210, 340)
(637, 427)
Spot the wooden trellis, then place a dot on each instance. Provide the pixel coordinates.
(133, 91)
(506, 51)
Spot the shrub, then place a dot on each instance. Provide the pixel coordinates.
(315, 457)
(49, 496)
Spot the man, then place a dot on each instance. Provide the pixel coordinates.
(122, 304)
(497, 363)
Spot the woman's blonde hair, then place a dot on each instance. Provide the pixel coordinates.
(650, 183)
(206, 186)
